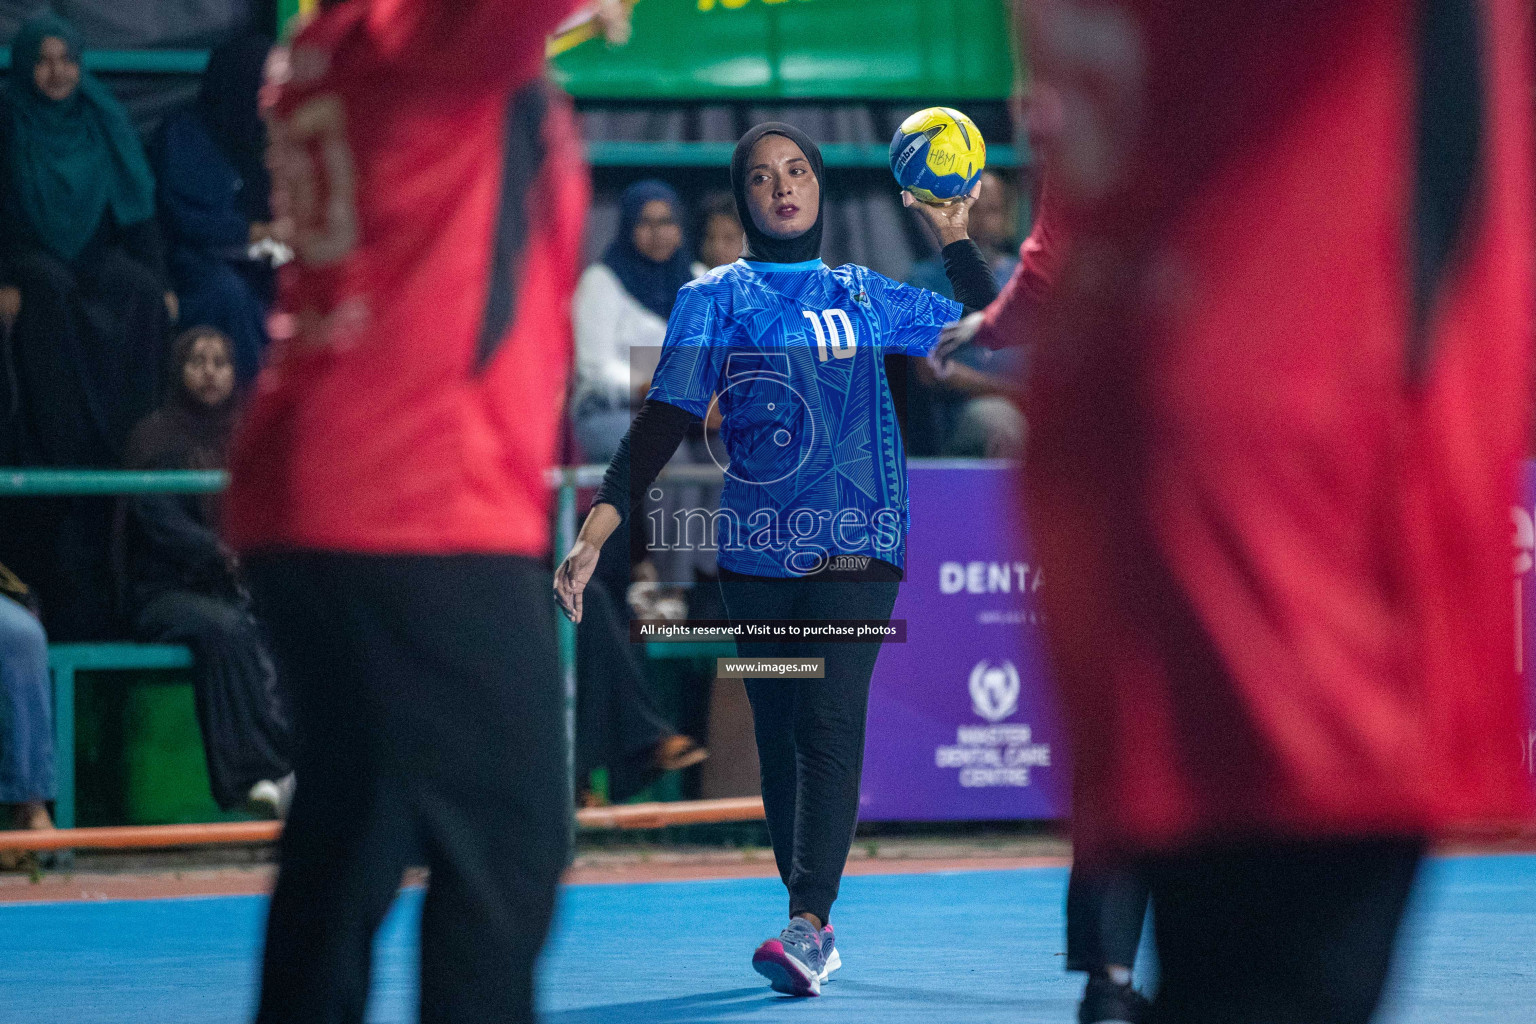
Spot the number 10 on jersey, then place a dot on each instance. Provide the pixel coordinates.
(843, 341)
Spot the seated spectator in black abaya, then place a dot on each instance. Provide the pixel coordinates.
(182, 585)
(81, 285)
(215, 194)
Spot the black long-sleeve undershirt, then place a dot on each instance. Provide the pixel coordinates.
(649, 445)
(969, 275)
(659, 427)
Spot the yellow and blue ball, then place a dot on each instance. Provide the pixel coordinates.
(938, 154)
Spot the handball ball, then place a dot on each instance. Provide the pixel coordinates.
(938, 155)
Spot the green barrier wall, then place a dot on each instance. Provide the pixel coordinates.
(753, 49)
(140, 754)
(801, 49)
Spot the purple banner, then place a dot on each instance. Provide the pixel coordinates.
(963, 723)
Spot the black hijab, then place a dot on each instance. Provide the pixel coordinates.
(762, 247)
(184, 433)
(227, 105)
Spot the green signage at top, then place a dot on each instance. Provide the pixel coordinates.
(801, 49)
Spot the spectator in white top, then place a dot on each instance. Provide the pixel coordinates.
(620, 312)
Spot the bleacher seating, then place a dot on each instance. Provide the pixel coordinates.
(64, 661)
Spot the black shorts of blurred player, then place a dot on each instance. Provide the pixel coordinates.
(430, 729)
(1278, 931)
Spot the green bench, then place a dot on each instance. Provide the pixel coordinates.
(64, 661)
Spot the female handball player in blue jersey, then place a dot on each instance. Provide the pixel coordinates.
(813, 514)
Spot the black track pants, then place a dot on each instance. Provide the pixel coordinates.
(810, 732)
(1105, 914)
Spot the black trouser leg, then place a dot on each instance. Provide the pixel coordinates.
(348, 836)
(810, 732)
(1279, 933)
(617, 723)
(495, 812)
(246, 732)
(429, 718)
(1105, 914)
(773, 715)
(830, 717)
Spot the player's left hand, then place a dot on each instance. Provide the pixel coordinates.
(951, 221)
(951, 339)
(572, 576)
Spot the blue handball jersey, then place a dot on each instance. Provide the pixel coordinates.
(794, 354)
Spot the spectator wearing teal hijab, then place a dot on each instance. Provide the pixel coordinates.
(82, 293)
(74, 156)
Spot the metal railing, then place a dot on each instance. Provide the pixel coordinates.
(26, 482)
(77, 482)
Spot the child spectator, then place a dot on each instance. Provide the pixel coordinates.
(183, 585)
(721, 239)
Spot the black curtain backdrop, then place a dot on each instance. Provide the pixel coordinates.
(142, 24)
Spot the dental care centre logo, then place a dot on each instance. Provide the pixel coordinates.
(1000, 752)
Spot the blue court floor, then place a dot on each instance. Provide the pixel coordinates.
(982, 947)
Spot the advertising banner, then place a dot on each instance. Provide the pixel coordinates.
(962, 719)
(963, 723)
(949, 50)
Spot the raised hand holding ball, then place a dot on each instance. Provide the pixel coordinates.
(938, 155)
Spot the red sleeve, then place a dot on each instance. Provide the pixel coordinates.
(459, 42)
(1011, 318)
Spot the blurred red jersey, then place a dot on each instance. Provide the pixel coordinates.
(1014, 317)
(1276, 416)
(437, 193)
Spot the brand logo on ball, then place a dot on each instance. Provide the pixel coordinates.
(994, 690)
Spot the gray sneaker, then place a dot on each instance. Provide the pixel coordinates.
(831, 959)
(792, 963)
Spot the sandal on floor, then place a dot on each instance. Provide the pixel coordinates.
(674, 753)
